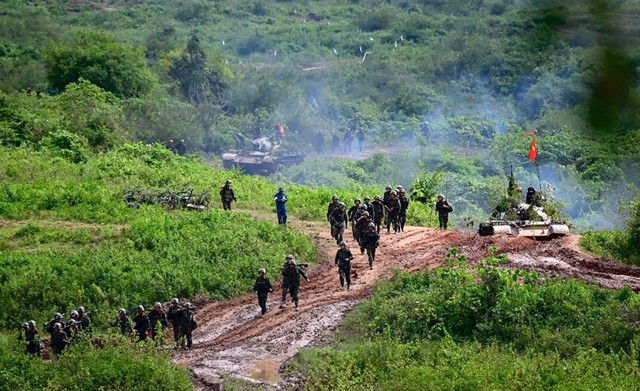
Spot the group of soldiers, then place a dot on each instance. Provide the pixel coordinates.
(145, 325)
(62, 333)
(176, 147)
(292, 274)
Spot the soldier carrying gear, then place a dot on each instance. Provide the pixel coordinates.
(402, 214)
(174, 317)
(443, 208)
(370, 241)
(227, 195)
(287, 260)
(354, 214)
(332, 205)
(338, 222)
(123, 322)
(263, 288)
(57, 318)
(385, 197)
(141, 324)
(187, 324)
(393, 208)
(291, 276)
(378, 212)
(156, 315)
(85, 321)
(343, 261)
(59, 339)
(33, 345)
(361, 228)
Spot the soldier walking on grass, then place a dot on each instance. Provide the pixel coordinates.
(59, 339)
(291, 276)
(123, 322)
(338, 222)
(157, 315)
(227, 195)
(141, 324)
(343, 261)
(370, 241)
(378, 212)
(33, 345)
(263, 288)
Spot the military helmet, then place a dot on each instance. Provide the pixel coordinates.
(32, 323)
(74, 313)
(394, 193)
(335, 197)
(367, 198)
(289, 257)
(341, 205)
(140, 308)
(343, 243)
(228, 182)
(362, 206)
(70, 322)
(81, 309)
(365, 214)
(376, 197)
(57, 315)
(57, 326)
(440, 196)
(357, 200)
(388, 187)
(189, 306)
(157, 304)
(280, 188)
(175, 300)
(122, 311)
(263, 271)
(371, 225)
(24, 325)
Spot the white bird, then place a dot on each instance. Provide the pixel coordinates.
(335, 51)
(395, 44)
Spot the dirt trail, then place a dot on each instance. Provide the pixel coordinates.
(233, 340)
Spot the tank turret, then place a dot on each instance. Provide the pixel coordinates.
(263, 158)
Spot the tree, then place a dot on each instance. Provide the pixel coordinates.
(98, 58)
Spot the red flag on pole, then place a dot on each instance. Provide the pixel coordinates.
(281, 130)
(533, 150)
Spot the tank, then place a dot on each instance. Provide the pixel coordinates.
(264, 158)
(522, 218)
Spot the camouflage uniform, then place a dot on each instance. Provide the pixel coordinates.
(370, 241)
(157, 315)
(262, 287)
(378, 213)
(59, 341)
(174, 318)
(393, 209)
(291, 274)
(338, 223)
(227, 195)
(443, 208)
(141, 325)
(187, 325)
(402, 215)
(343, 261)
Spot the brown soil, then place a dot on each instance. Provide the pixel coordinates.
(233, 340)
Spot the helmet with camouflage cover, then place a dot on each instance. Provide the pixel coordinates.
(262, 271)
(57, 326)
(175, 300)
(365, 214)
(32, 323)
(122, 311)
(371, 225)
(140, 308)
(157, 304)
(377, 197)
(57, 315)
(357, 201)
(335, 197)
(74, 314)
(367, 198)
(343, 243)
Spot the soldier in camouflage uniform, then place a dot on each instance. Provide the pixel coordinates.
(338, 222)
(291, 274)
(332, 205)
(370, 241)
(402, 214)
(393, 209)
(157, 315)
(361, 228)
(227, 195)
(343, 261)
(187, 324)
(59, 339)
(378, 212)
(123, 322)
(263, 288)
(141, 324)
(174, 317)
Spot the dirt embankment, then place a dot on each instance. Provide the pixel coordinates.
(234, 340)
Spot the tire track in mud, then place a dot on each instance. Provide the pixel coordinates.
(233, 340)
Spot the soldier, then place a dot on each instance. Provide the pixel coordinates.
(443, 208)
(368, 206)
(532, 197)
(85, 321)
(59, 339)
(72, 329)
(262, 287)
(187, 324)
(360, 136)
(181, 148)
(227, 195)
(385, 197)
(123, 322)
(33, 345)
(354, 214)
(393, 208)
(402, 214)
(141, 324)
(170, 145)
(333, 205)
(361, 228)
(174, 318)
(343, 261)
(338, 222)
(281, 206)
(287, 260)
(347, 140)
(370, 241)
(57, 318)
(335, 141)
(378, 212)
(291, 274)
(156, 315)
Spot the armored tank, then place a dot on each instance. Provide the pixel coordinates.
(528, 218)
(264, 158)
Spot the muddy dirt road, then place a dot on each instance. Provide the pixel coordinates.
(232, 340)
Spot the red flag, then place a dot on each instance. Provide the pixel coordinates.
(532, 132)
(281, 130)
(533, 150)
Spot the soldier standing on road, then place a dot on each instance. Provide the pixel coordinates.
(354, 213)
(404, 205)
(291, 274)
(123, 322)
(263, 288)
(156, 315)
(332, 205)
(141, 324)
(174, 317)
(281, 206)
(338, 222)
(378, 212)
(370, 241)
(361, 228)
(343, 261)
(443, 208)
(288, 259)
(227, 195)
(393, 208)
(187, 324)
(59, 339)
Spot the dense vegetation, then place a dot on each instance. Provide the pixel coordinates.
(487, 328)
